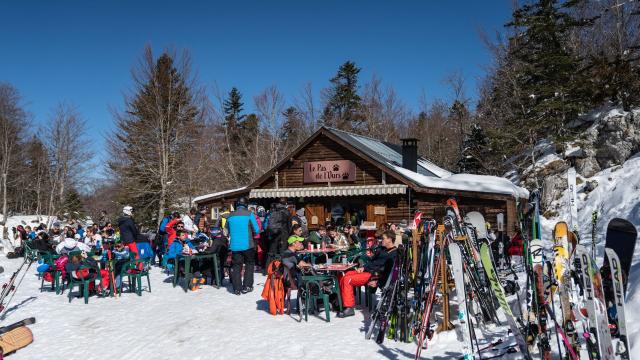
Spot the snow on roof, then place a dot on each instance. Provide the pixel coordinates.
(466, 182)
(220, 193)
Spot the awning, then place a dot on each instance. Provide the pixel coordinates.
(321, 191)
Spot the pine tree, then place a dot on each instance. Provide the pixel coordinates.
(292, 129)
(72, 207)
(547, 72)
(153, 137)
(343, 108)
(475, 152)
(232, 108)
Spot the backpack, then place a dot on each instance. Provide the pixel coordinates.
(162, 229)
(273, 290)
(279, 221)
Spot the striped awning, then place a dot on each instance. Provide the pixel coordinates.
(321, 191)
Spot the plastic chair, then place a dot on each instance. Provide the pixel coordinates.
(311, 296)
(137, 269)
(50, 259)
(83, 283)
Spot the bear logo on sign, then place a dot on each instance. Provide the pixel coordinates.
(336, 167)
(345, 176)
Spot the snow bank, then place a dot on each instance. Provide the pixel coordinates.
(617, 195)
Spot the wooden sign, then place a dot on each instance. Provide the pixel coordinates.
(329, 171)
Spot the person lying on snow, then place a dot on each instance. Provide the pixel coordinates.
(293, 260)
(381, 265)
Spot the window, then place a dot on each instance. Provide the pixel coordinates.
(215, 213)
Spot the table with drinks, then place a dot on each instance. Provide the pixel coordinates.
(321, 249)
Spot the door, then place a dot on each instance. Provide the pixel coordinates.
(377, 213)
(315, 214)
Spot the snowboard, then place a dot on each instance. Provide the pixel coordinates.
(477, 221)
(621, 238)
(498, 291)
(595, 303)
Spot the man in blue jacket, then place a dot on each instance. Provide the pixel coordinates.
(241, 226)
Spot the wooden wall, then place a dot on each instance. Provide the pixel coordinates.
(291, 174)
(434, 206)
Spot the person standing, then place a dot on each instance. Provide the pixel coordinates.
(278, 229)
(241, 226)
(128, 229)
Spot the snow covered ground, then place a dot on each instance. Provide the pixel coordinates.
(617, 195)
(210, 323)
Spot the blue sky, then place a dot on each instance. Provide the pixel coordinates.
(82, 52)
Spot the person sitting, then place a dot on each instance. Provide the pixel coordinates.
(180, 246)
(219, 245)
(338, 239)
(42, 243)
(292, 260)
(119, 254)
(71, 244)
(381, 264)
(319, 236)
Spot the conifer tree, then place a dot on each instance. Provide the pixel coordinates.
(547, 72)
(153, 136)
(343, 107)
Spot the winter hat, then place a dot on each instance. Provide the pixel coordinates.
(127, 210)
(293, 238)
(300, 212)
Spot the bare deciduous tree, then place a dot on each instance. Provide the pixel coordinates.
(12, 124)
(69, 153)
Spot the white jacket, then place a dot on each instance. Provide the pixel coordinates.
(69, 245)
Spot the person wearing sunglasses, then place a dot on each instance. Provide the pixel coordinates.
(172, 227)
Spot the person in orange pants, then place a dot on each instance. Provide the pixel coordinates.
(381, 264)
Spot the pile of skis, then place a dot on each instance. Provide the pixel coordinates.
(565, 304)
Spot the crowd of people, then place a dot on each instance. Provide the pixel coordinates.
(246, 240)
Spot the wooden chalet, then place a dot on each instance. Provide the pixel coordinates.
(365, 179)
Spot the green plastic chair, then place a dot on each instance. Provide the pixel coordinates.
(311, 300)
(50, 259)
(82, 283)
(135, 274)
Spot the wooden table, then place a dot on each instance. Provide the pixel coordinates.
(187, 267)
(335, 267)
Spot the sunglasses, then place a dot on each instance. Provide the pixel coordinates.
(180, 227)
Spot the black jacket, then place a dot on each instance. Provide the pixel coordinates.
(382, 263)
(280, 220)
(128, 229)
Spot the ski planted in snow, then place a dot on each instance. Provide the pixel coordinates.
(461, 299)
(498, 291)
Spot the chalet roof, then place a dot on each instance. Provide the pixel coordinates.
(387, 153)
